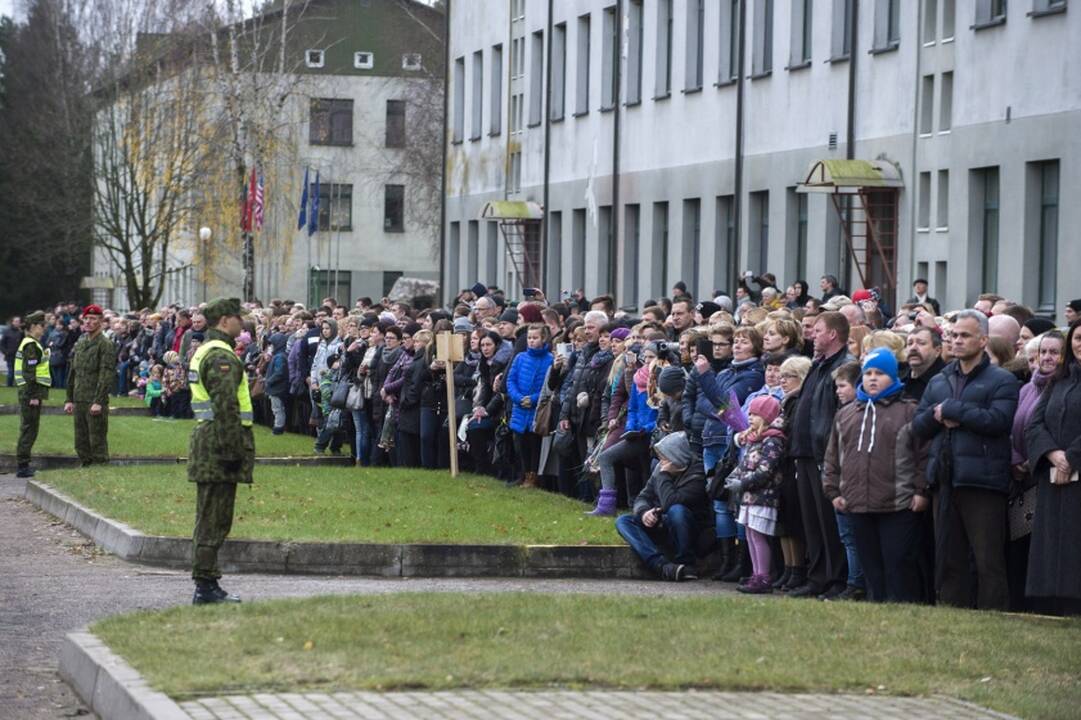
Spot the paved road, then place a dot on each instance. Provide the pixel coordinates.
(53, 581)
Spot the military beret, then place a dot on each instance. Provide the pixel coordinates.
(35, 318)
(221, 307)
(92, 310)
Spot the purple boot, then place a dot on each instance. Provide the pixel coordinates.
(606, 503)
(757, 585)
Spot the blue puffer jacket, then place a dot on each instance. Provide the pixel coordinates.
(743, 378)
(524, 380)
(985, 407)
(640, 416)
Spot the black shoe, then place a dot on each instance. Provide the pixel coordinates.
(24, 472)
(851, 594)
(780, 582)
(676, 573)
(277, 431)
(832, 593)
(799, 577)
(729, 558)
(209, 593)
(805, 590)
(742, 567)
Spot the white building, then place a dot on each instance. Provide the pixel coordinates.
(357, 69)
(974, 106)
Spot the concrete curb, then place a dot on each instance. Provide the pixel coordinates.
(59, 410)
(108, 685)
(319, 558)
(8, 461)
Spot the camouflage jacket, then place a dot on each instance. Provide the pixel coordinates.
(221, 450)
(32, 357)
(92, 370)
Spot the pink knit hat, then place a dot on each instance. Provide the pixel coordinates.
(765, 407)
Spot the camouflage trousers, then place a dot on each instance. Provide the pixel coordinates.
(213, 521)
(91, 434)
(29, 420)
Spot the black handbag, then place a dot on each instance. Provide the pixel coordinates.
(724, 467)
(339, 393)
(563, 442)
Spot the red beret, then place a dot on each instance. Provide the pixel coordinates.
(861, 295)
(92, 310)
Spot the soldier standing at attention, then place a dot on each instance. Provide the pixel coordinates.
(222, 449)
(91, 375)
(33, 380)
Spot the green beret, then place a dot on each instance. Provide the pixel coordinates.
(221, 307)
(35, 318)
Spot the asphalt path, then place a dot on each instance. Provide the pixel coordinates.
(53, 581)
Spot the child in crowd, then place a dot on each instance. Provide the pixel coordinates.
(756, 481)
(329, 427)
(153, 391)
(846, 379)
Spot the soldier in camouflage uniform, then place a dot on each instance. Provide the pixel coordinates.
(222, 451)
(91, 375)
(33, 380)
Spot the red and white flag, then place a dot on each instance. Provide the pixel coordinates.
(259, 204)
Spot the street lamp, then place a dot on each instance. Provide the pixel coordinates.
(204, 236)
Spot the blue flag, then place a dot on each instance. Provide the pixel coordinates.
(302, 219)
(313, 216)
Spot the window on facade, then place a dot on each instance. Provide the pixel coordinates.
(554, 276)
(945, 102)
(724, 259)
(942, 213)
(629, 263)
(363, 60)
(983, 187)
(606, 251)
(330, 122)
(760, 230)
(692, 243)
(634, 52)
(578, 250)
(335, 206)
(696, 19)
(927, 104)
(314, 58)
(841, 33)
(394, 208)
(477, 104)
(459, 99)
(887, 24)
(763, 38)
(990, 12)
(930, 21)
(609, 58)
(728, 65)
(662, 85)
(795, 264)
(559, 70)
(923, 221)
(514, 182)
(395, 123)
(660, 248)
(536, 79)
(454, 249)
(949, 18)
(472, 249)
(802, 17)
(581, 105)
(412, 62)
(1047, 176)
(1044, 6)
(495, 84)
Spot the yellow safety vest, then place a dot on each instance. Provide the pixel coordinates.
(41, 372)
(200, 398)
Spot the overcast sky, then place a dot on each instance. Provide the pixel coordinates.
(7, 7)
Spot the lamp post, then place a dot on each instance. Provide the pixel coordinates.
(205, 234)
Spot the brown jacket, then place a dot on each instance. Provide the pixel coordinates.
(881, 471)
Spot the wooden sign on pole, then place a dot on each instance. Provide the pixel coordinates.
(450, 348)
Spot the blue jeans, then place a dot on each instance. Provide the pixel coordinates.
(363, 425)
(678, 528)
(429, 437)
(727, 527)
(848, 539)
(11, 370)
(59, 375)
(122, 378)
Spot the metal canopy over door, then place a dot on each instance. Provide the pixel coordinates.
(520, 221)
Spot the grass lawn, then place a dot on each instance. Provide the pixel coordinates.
(384, 505)
(142, 436)
(10, 396)
(1022, 665)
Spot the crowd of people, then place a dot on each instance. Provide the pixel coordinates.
(822, 445)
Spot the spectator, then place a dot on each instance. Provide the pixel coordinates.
(524, 383)
(9, 344)
(1072, 312)
(277, 380)
(967, 411)
(488, 402)
(923, 349)
(920, 297)
(793, 372)
(830, 289)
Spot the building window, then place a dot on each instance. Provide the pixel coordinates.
(662, 85)
(984, 190)
(394, 208)
(606, 251)
(989, 12)
(454, 249)
(395, 123)
(515, 179)
(945, 103)
(335, 207)
(802, 17)
(1040, 7)
(578, 250)
(330, 122)
(728, 65)
(949, 19)
(581, 105)
(495, 112)
(923, 221)
(412, 62)
(472, 250)
(696, 18)
(314, 58)
(692, 243)
(930, 21)
(1048, 176)
(927, 99)
(363, 60)
(759, 252)
(724, 260)
(841, 34)
(763, 38)
(660, 248)
(609, 58)
(629, 264)
(554, 275)
(887, 25)
(942, 213)
(459, 99)
(796, 251)
(536, 80)
(559, 70)
(634, 52)
(477, 104)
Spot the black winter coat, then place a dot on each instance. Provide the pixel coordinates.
(815, 408)
(985, 403)
(417, 375)
(688, 488)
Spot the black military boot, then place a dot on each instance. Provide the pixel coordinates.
(729, 557)
(24, 471)
(223, 595)
(208, 592)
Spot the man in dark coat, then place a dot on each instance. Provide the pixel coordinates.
(968, 411)
(923, 350)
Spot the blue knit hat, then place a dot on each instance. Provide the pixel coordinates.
(881, 359)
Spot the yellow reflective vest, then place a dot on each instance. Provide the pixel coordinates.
(200, 398)
(41, 370)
